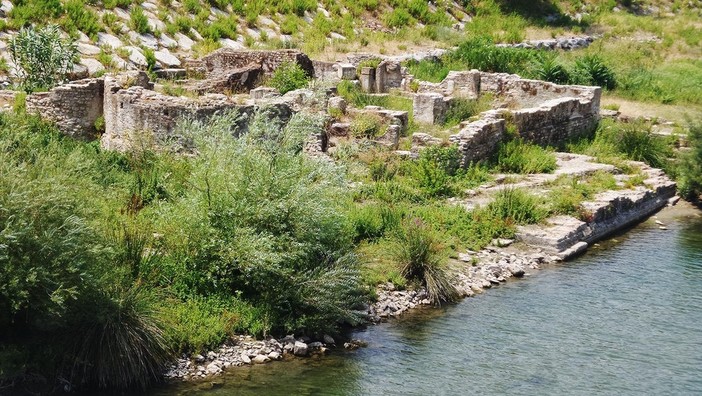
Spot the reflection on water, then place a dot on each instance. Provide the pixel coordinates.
(622, 320)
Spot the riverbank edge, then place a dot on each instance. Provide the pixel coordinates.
(473, 273)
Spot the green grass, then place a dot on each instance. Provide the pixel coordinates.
(517, 156)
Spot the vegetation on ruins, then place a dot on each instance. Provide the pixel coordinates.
(145, 255)
(288, 77)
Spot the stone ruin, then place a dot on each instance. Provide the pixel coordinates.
(540, 112)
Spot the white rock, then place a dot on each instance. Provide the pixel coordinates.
(136, 56)
(300, 349)
(109, 40)
(184, 42)
(147, 40)
(274, 355)
(167, 42)
(245, 358)
(166, 58)
(261, 359)
(92, 65)
(337, 36)
(229, 43)
(88, 49)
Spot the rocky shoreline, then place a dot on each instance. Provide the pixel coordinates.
(473, 273)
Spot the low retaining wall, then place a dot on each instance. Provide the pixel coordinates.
(607, 213)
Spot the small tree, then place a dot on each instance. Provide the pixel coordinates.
(41, 57)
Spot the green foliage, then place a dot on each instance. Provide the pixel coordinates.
(138, 21)
(516, 205)
(80, 17)
(547, 67)
(482, 54)
(461, 109)
(368, 126)
(26, 12)
(419, 255)
(435, 168)
(517, 156)
(592, 70)
(42, 57)
(150, 57)
(398, 18)
(118, 341)
(690, 168)
(288, 77)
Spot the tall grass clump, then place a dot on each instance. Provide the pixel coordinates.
(419, 255)
(592, 70)
(481, 53)
(546, 66)
(518, 206)
(517, 156)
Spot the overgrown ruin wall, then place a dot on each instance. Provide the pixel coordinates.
(229, 59)
(136, 109)
(74, 107)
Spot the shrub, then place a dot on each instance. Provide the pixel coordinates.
(592, 70)
(138, 21)
(690, 168)
(516, 156)
(42, 57)
(634, 141)
(397, 18)
(288, 77)
(461, 109)
(482, 54)
(79, 17)
(150, 57)
(546, 67)
(367, 125)
(419, 256)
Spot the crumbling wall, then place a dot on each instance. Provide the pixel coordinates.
(268, 61)
(518, 92)
(465, 84)
(556, 121)
(478, 140)
(134, 110)
(228, 81)
(74, 107)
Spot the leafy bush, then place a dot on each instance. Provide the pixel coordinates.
(42, 57)
(461, 109)
(482, 54)
(592, 70)
(288, 77)
(79, 17)
(419, 256)
(398, 17)
(517, 156)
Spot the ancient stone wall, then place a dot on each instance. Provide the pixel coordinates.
(478, 140)
(465, 84)
(74, 107)
(228, 81)
(268, 61)
(7, 98)
(556, 121)
(130, 111)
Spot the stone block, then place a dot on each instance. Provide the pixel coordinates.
(367, 79)
(346, 71)
(263, 92)
(429, 108)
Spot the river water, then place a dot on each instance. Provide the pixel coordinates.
(624, 319)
